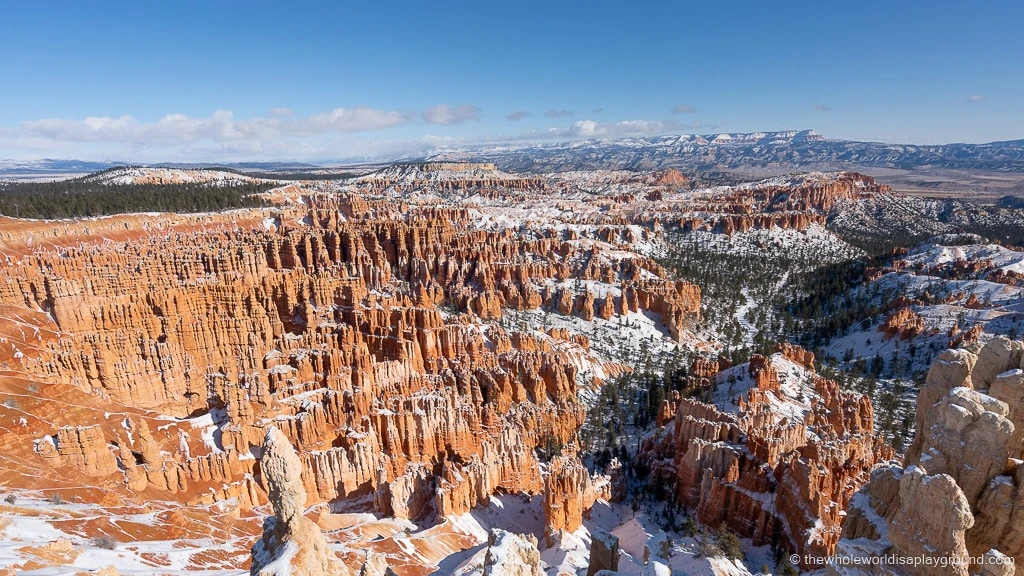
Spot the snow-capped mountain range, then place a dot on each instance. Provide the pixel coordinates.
(773, 151)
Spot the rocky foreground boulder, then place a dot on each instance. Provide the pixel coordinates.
(604, 552)
(960, 494)
(511, 554)
(292, 545)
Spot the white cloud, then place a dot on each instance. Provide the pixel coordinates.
(684, 109)
(595, 129)
(552, 113)
(446, 115)
(221, 126)
(359, 119)
(281, 112)
(820, 107)
(517, 116)
(342, 133)
(976, 98)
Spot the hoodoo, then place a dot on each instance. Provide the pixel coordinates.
(292, 544)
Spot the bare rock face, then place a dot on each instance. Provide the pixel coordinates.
(965, 436)
(510, 554)
(291, 544)
(789, 207)
(362, 326)
(766, 474)
(367, 328)
(569, 492)
(1008, 387)
(999, 517)
(951, 369)
(83, 448)
(937, 531)
(960, 495)
(604, 552)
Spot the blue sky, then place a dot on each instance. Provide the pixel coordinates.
(149, 81)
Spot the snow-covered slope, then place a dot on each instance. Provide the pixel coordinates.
(140, 175)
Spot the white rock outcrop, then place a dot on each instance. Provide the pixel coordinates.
(511, 554)
(961, 494)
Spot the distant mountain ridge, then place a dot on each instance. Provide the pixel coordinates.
(776, 151)
(51, 166)
(48, 166)
(796, 150)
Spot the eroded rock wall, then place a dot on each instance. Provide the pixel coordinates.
(761, 472)
(366, 330)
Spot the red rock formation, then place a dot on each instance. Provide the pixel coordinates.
(796, 354)
(84, 449)
(569, 492)
(667, 409)
(359, 327)
(756, 471)
(766, 377)
(368, 329)
(965, 338)
(705, 367)
(904, 323)
(1008, 277)
(788, 206)
(671, 178)
(973, 303)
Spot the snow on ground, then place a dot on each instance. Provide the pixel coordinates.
(1001, 308)
(570, 552)
(143, 175)
(929, 255)
(814, 243)
(796, 384)
(676, 553)
(29, 532)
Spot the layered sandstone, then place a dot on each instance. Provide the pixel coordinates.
(370, 331)
(370, 325)
(334, 328)
(774, 467)
(786, 205)
(569, 492)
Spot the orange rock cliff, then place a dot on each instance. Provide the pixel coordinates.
(148, 358)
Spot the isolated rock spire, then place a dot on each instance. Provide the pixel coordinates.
(292, 544)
